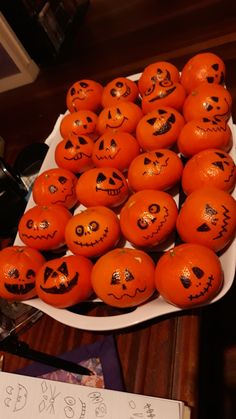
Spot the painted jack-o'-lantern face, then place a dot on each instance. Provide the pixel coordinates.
(102, 186)
(159, 128)
(148, 217)
(65, 281)
(116, 150)
(43, 227)
(55, 186)
(121, 117)
(203, 67)
(194, 275)
(160, 169)
(205, 134)
(210, 167)
(207, 217)
(74, 153)
(157, 73)
(165, 93)
(93, 231)
(119, 89)
(18, 268)
(211, 101)
(79, 123)
(84, 94)
(122, 280)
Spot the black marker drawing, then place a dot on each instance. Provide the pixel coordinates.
(83, 409)
(49, 397)
(17, 397)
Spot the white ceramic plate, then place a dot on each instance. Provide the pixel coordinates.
(155, 308)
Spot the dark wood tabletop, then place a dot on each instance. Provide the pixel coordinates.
(159, 357)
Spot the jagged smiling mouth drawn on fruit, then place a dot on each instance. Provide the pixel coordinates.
(75, 149)
(61, 275)
(149, 219)
(85, 234)
(161, 125)
(155, 167)
(123, 282)
(21, 287)
(213, 220)
(111, 182)
(38, 231)
(111, 150)
(188, 282)
(117, 120)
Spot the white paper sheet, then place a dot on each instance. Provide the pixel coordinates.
(33, 398)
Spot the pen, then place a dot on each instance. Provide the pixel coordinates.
(1, 362)
(14, 346)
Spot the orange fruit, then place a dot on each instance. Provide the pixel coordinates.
(92, 231)
(211, 167)
(18, 269)
(115, 149)
(157, 72)
(119, 89)
(82, 122)
(200, 134)
(121, 117)
(102, 186)
(124, 277)
(84, 94)
(74, 153)
(55, 186)
(188, 275)
(148, 218)
(159, 128)
(203, 67)
(65, 281)
(211, 101)
(208, 217)
(158, 169)
(43, 227)
(163, 94)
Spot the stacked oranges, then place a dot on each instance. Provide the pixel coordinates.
(110, 204)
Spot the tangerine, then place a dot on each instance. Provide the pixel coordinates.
(188, 275)
(148, 218)
(211, 101)
(121, 117)
(124, 277)
(163, 94)
(83, 122)
(203, 67)
(157, 72)
(102, 186)
(119, 89)
(84, 95)
(201, 134)
(74, 153)
(159, 128)
(92, 231)
(207, 217)
(211, 167)
(158, 169)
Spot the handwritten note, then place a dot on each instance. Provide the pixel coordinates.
(30, 397)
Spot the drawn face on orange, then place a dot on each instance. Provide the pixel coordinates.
(82, 122)
(212, 222)
(74, 153)
(84, 94)
(123, 117)
(211, 101)
(165, 93)
(123, 283)
(159, 128)
(102, 186)
(148, 217)
(65, 281)
(93, 231)
(158, 72)
(119, 89)
(116, 150)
